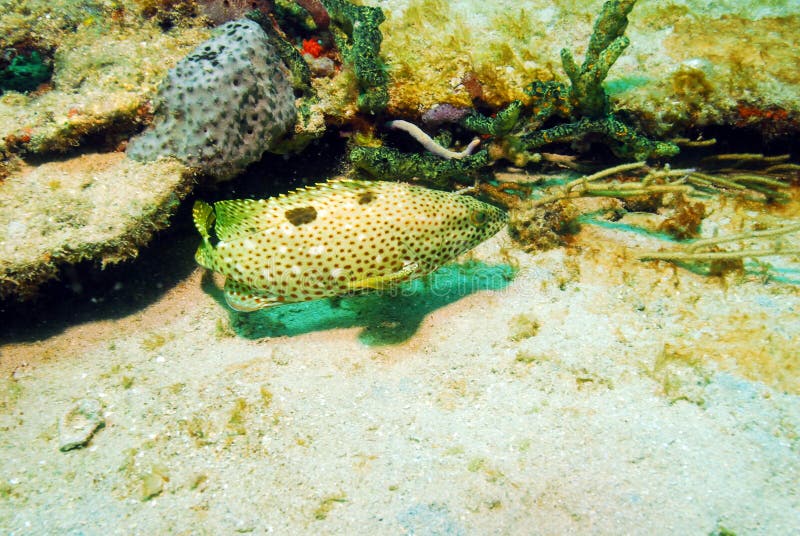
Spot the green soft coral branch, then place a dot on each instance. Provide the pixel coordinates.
(358, 38)
(585, 102)
(587, 96)
(610, 25)
(499, 125)
(386, 163)
(606, 45)
(626, 142)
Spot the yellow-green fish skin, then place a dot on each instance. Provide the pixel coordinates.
(335, 238)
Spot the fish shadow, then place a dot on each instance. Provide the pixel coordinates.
(388, 317)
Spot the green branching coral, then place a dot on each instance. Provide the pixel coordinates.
(359, 41)
(548, 99)
(606, 45)
(388, 163)
(627, 142)
(499, 125)
(584, 102)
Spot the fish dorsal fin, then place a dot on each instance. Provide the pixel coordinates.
(243, 298)
(237, 217)
(339, 185)
(322, 190)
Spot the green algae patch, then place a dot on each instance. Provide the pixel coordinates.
(237, 420)
(522, 327)
(10, 392)
(326, 505)
(100, 207)
(25, 72)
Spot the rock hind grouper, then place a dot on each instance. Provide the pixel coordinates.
(336, 238)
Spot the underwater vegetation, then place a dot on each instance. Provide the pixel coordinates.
(678, 196)
(358, 39)
(585, 102)
(320, 66)
(582, 111)
(24, 72)
(513, 132)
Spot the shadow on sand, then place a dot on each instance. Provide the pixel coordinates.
(389, 317)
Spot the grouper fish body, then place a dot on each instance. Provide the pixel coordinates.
(336, 238)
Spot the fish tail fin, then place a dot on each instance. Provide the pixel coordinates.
(203, 216)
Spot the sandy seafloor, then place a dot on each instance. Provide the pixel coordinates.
(575, 391)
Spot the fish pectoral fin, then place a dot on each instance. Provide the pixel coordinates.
(240, 297)
(385, 281)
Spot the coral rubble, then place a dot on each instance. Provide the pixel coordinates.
(99, 89)
(96, 206)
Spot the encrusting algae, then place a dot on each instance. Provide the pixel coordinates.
(336, 238)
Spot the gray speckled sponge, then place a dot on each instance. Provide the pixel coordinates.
(223, 105)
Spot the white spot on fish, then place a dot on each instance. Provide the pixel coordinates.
(249, 244)
(316, 250)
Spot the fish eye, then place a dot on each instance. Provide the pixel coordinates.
(478, 218)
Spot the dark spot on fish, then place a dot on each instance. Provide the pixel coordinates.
(365, 197)
(301, 215)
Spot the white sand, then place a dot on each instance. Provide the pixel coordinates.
(589, 426)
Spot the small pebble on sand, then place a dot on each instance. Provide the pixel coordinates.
(79, 424)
